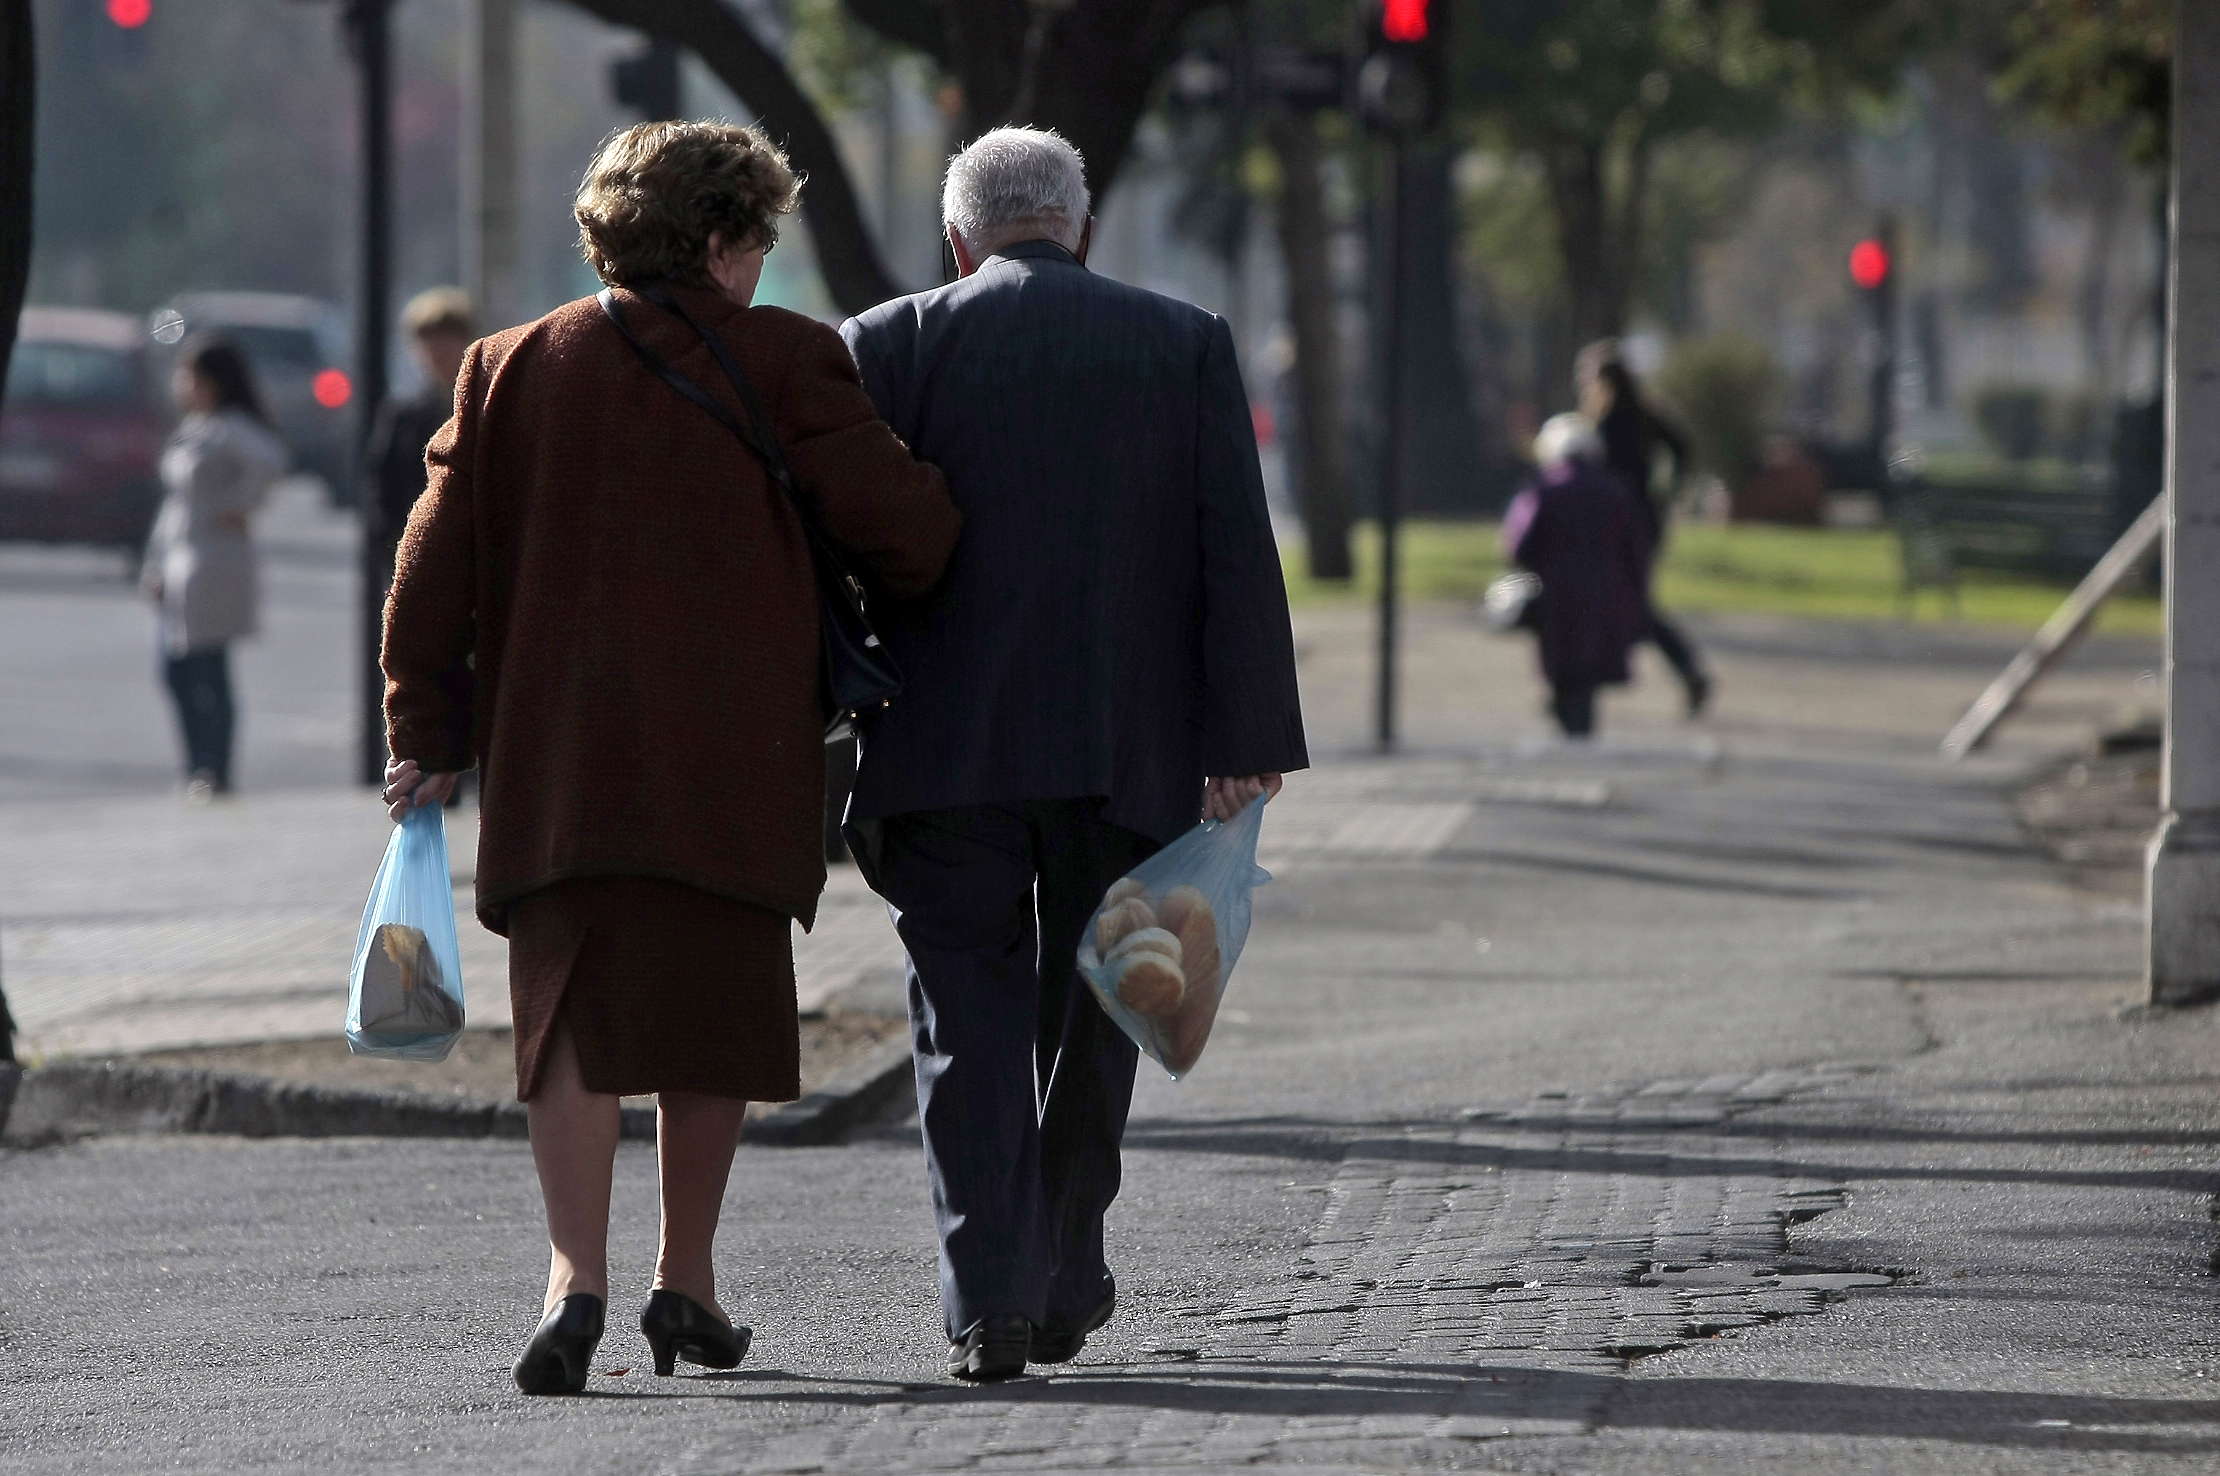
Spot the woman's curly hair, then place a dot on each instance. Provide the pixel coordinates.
(656, 191)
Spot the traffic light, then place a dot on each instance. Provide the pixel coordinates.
(1870, 264)
(1403, 84)
(130, 14)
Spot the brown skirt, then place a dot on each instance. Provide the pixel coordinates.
(665, 988)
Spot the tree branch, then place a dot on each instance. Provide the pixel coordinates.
(854, 273)
(920, 25)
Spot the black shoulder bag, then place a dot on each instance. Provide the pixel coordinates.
(856, 676)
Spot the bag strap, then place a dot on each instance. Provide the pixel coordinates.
(761, 438)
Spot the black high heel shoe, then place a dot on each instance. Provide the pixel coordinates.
(676, 1326)
(561, 1352)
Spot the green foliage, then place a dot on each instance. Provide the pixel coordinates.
(1700, 185)
(1823, 573)
(2098, 64)
(1594, 70)
(1508, 230)
(1725, 391)
(1593, 90)
(842, 65)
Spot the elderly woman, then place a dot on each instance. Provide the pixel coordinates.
(200, 567)
(1577, 529)
(605, 603)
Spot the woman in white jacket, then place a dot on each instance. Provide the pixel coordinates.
(200, 565)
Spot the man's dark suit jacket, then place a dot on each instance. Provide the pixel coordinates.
(1113, 622)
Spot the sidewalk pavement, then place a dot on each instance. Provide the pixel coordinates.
(1734, 1099)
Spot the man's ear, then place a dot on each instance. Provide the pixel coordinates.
(966, 263)
(1086, 239)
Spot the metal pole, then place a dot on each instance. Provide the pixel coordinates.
(1394, 234)
(2183, 868)
(1883, 385)
(370, 26)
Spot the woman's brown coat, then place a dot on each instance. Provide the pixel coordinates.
(603, 601)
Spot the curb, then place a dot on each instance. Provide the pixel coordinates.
(850, 1097)
(73, 1099)
(53, 1104)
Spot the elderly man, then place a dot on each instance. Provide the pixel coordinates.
(1107, 658)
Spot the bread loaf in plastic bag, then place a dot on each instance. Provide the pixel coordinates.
(1161, 946)
(406, 997)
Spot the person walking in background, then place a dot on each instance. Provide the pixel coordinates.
(1633, 434)
(1576, 527)
(200, 564)
(605, 603)
(439, 326)
(1112, 632)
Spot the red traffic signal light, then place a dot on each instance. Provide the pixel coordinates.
(1869, 264)
(130, 14)
(1406, 20)
(1403, 83)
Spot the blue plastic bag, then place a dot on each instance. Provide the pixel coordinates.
(406, 997)
(1159, 949)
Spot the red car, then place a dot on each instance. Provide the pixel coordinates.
(81, 431)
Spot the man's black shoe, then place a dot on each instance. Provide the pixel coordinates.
(995, 1348)
(1062, 1345)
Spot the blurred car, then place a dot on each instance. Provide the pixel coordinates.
(295, 345)
(81, 430)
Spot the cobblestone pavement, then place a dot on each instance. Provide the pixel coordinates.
(1462, 1283)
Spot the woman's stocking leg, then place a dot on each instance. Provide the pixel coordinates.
(574, 1145)
(222, 715)
(695, 1138)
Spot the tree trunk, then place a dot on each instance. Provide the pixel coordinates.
(854, 272)
(1599, 239)
(1322, 434)
(18, 119)
(1576, 193)
(1090, 78)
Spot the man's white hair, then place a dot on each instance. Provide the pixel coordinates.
(1014, 184)
(1567, 437)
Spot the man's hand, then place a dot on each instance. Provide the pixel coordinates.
(407, 786)
(1225, 798)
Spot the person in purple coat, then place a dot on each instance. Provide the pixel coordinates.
(1576, 528)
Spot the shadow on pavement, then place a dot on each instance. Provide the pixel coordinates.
(1475, 1394)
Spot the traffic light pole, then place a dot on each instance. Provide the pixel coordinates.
(369, 31)
(1394, 294)
(1882, 387)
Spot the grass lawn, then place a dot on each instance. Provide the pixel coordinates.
(1830, 573)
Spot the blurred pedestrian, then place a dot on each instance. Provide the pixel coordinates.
(439, 326)
(1634, 435)
(606, 604)
(200, 563)
(1109, 654)
(1577, 529)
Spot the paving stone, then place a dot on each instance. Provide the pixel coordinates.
(1457, 1303)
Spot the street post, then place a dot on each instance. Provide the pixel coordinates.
(2183, 865)
(1401, 88)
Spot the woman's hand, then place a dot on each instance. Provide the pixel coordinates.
(1225, 798)
(407, 786)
